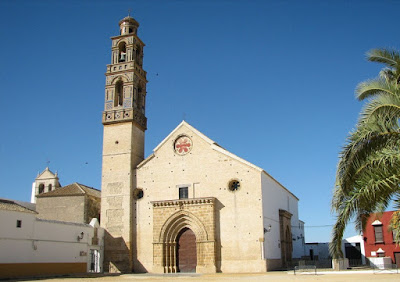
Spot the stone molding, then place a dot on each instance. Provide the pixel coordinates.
(172, 216)
(125, 115)
(194, 201)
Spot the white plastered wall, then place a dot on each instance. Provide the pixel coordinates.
(42, 241)
(274, 198)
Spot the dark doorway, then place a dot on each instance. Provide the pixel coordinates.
(397, 259)
(186, 254)
(311, 254)
(353, 253)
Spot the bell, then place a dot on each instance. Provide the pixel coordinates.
(122, 57)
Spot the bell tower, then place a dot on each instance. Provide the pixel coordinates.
(124, 123)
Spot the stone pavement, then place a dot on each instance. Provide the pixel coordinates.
(336, 276)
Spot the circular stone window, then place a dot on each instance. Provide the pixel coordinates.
(234, 185)
(138, 193)
(183, 145)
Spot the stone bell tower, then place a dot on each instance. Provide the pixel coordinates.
(124, 123)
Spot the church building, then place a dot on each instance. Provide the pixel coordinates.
(191, 206)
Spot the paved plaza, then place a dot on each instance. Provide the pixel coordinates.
(270, 276)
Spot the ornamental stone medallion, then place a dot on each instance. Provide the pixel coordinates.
(183, 145)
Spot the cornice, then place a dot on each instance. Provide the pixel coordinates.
(193, 201)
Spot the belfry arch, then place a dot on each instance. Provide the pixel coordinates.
(170, 219)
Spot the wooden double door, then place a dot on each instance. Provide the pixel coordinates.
(186, 252)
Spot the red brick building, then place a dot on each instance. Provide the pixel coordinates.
(379, 238)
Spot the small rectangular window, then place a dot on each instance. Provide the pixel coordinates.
(19, 223)
(378, 234)
(183, 193)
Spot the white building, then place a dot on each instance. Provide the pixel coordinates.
(30, 246)
(317, 251)
(354, 250)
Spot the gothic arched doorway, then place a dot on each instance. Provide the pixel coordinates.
(186, 254)
(175, 223)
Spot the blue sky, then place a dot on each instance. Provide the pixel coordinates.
(271, 81)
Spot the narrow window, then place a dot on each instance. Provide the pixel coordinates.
(19, 223)
(378, 234)
(119, 90)
(137, 53)
(122, 52)
(183, 193)
(41, 188)
(140, 102)
(50, 187)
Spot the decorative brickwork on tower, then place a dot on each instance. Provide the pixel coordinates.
(123, 144)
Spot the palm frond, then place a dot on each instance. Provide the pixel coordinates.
(374, 87)
(354, 156)
(384, 110)
(368, 172)
(388, 57)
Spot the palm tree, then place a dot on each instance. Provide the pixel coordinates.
(368, 173)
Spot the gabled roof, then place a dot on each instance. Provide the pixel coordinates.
(74, 189)
(215, 146)
(47, 173)
(10, 205)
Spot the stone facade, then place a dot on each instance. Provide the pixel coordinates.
(189, 183)
(68, 208)
(72, 203)
(206, 172)
(169, 218)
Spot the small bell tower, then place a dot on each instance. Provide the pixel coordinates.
(45, 182)
(124, 123)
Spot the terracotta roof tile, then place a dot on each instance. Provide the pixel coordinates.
(12, 206)
(74, 189)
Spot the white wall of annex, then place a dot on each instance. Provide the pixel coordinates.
(274, 198)
(41, 241)
(319, 249)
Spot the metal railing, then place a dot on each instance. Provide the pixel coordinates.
(305, 269)
(385, 268)
(321, 263)
(355, 262)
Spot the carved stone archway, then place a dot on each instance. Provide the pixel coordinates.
(169, 218)
(286, 237)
